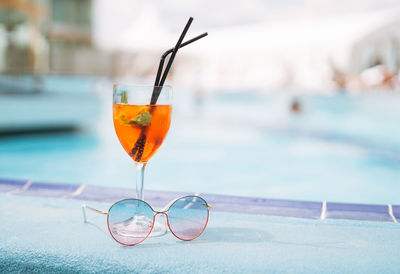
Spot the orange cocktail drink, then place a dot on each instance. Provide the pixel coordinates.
(141, 129)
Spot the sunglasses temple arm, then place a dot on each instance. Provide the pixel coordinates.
(84, 206)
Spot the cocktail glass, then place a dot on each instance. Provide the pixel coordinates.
(141, 128)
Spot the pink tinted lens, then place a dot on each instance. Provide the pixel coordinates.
(188, 217)
(130, 221)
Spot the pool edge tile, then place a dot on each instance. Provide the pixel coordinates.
(360, 212)
(224, 203)
(396, 212)
(7, 185)
(47, 190)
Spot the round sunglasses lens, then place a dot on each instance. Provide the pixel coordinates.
(187, 217)
(130, 221)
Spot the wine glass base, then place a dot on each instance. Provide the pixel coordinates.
(138, 227)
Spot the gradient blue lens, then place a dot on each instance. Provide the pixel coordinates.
(130, 221)
(188, 217)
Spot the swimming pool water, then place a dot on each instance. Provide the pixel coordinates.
(341, 148)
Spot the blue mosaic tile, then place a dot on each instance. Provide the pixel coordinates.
(7, 185)
(358, 212)
(272, 207)
(263, 202)
(49, 190)
(358, 207)
(105, 194)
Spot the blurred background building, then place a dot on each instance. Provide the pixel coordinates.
(37, 33)
(40, 38)
(287, 45)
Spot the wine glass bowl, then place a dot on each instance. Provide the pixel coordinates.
(141, 128)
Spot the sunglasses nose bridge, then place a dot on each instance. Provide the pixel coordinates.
(160, 212)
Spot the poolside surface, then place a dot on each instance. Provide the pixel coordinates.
(43, 231)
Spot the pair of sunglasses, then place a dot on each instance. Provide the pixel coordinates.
(130, 221)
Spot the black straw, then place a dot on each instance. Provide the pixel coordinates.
(185, 44)
(157, 90)
(140, 143)
(160, 66)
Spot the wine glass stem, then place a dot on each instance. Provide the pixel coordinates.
(139, 179)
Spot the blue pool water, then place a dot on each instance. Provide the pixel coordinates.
(341, 148)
